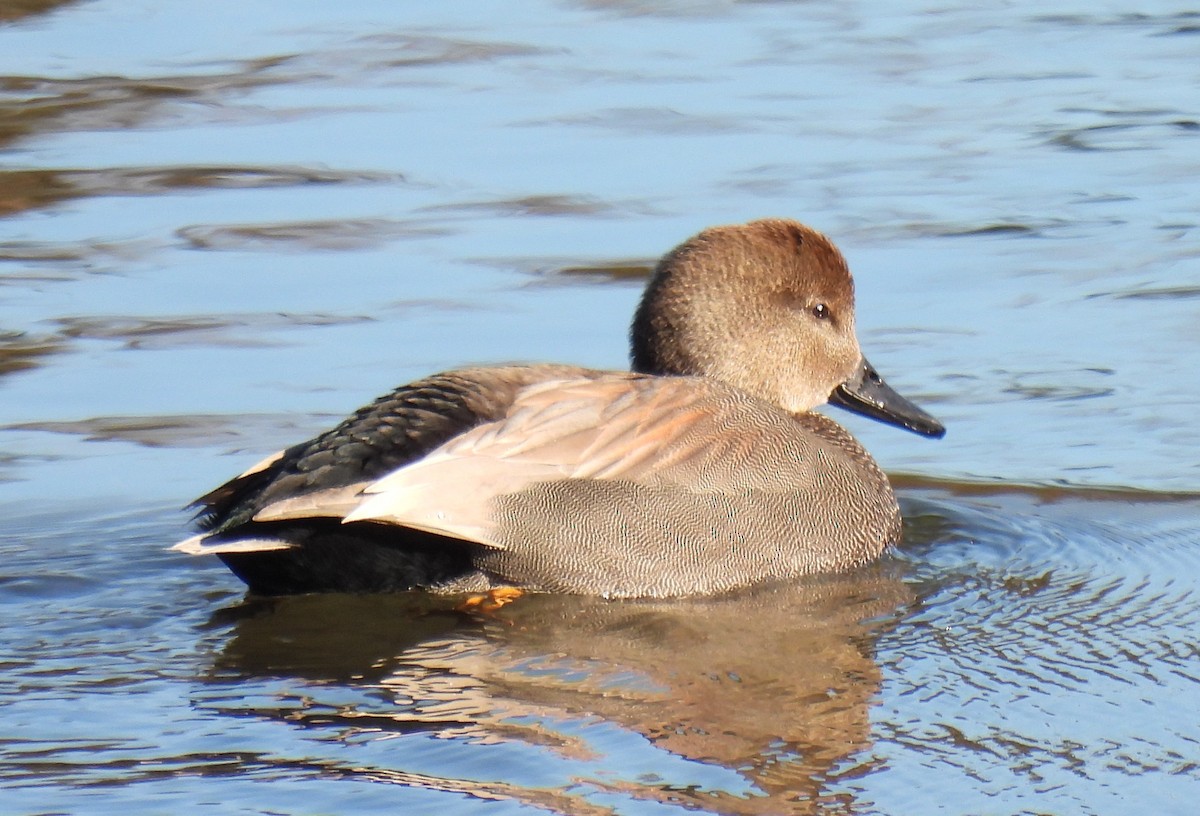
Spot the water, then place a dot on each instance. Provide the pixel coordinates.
(221, 232)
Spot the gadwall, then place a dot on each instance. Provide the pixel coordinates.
(703, 470)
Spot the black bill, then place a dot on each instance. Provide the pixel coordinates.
(866, 393)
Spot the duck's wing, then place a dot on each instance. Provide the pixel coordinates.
(690, 433)
(322, 478)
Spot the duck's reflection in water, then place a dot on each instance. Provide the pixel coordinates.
(764, 694)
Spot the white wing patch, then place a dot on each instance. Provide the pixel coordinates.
(199, 545)
(332, 503)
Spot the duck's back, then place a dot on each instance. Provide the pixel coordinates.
(629, 485)
(556, 478)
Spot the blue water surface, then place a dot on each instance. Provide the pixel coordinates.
(222, 229)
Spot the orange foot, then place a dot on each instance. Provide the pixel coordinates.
(488, 602)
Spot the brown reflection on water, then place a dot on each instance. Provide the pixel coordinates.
(574, 271)
(182, 330)
(12, 10)
(304, 236)
(612, 271)
(22, 190)
(32, 105)
(237, 433)
(20, 351)
(546, 205)
(42, 104)
(32, 189)
(774, 685)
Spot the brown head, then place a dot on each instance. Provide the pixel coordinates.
(768, 307)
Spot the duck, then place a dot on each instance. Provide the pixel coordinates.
(701, 470)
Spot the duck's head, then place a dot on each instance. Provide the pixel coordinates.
(768, 307)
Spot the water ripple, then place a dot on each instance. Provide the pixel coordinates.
(22, 190)
(333, 235)
(1031, 612)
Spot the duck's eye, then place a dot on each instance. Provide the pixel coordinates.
(821, 312)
